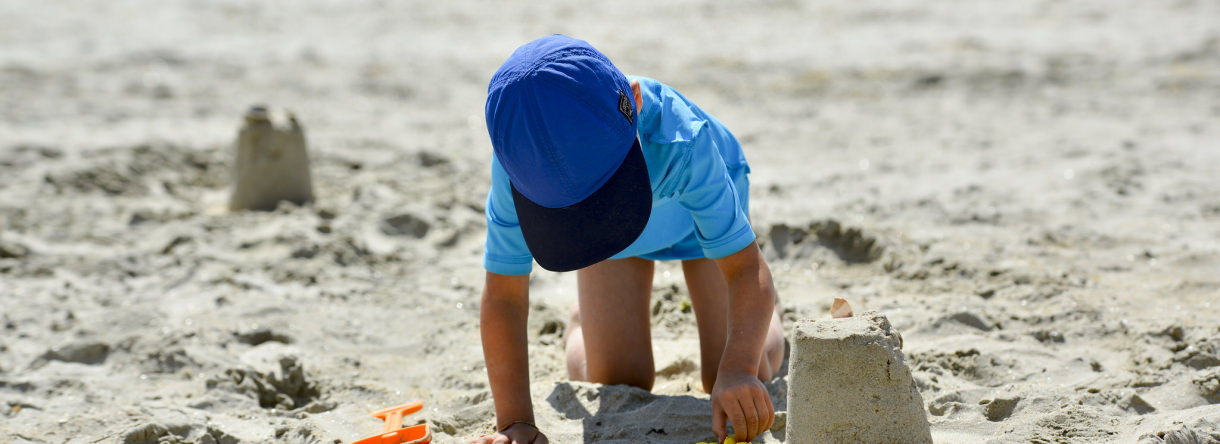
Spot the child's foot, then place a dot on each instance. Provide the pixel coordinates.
(574, 346)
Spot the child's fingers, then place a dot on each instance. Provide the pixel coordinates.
(736, 413)
(749, 410)
(758, 414)
(483, 439)
(718, 419)
(766, 411)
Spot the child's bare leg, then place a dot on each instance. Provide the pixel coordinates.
(710, 301)
(611, 341)
(773, 348)
(574, 345)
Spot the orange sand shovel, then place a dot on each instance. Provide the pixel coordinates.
(393, 432)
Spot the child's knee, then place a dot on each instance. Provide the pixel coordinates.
(633, 375)
(643, 380)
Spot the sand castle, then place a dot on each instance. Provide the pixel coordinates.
(272, 164)
(849, 383)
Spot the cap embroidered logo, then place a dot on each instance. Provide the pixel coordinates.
(624, 106)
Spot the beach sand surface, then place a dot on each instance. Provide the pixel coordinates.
(1027, 190)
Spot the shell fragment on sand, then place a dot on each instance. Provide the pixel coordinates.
(840, 309)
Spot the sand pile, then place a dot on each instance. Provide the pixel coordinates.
(1026, 190)
(849, 382)
(271, 163)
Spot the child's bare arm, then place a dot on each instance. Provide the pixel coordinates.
(738, 394)
(502, 317)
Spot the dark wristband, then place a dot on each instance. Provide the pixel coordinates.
(502, 428)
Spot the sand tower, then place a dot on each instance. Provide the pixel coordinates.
(849, 383)
(272, 164)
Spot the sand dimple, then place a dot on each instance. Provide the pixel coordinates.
(849, 244)
(968, 364)
(1201, 353)
(80, 352)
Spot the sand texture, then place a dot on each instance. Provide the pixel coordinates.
(1027, 190)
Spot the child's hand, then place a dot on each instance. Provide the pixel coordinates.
(516, 434)
(741, 398)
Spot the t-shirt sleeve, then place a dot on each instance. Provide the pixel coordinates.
(504, 251)
(721, 224)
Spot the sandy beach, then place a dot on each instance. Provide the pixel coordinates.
(1028, 190)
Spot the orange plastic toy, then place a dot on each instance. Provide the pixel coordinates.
(393, 432)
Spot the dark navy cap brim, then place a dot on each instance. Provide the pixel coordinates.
(590, 231)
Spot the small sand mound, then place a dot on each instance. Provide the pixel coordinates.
(286, 391)
(174, 434)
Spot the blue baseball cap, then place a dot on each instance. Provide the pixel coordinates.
(563, 125)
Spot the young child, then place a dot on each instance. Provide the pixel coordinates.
(602, 173)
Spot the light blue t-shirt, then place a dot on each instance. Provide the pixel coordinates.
(699, 189)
